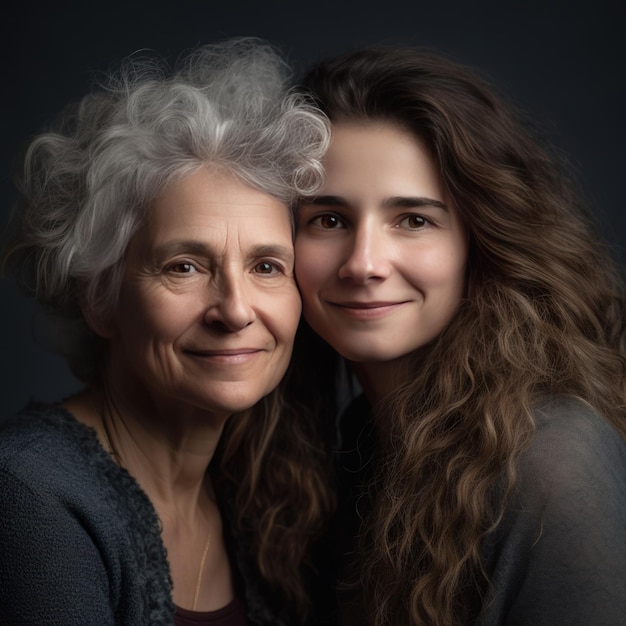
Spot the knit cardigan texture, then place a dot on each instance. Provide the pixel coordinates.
(80, 542)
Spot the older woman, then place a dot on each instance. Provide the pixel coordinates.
(155, 221)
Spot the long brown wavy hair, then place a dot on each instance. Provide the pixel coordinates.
(544, 314)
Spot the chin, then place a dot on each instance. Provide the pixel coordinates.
(244, 402)
(369, 356)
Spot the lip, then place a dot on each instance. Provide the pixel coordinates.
(368, 310)
(226, 356)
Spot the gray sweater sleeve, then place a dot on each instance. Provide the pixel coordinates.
(559, 555)
(51, 571)
(79, 540)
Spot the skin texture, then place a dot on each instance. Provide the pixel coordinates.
(380, 252)
(208, 306)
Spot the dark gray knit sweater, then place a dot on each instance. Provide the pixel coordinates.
(80, 541)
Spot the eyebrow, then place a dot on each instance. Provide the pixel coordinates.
(273, 250)
(407, 202)
(192, 246)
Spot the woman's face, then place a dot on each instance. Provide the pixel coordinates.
(381, 252)
(208, 307)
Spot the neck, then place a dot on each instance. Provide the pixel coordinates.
(379, 379)
(168, 452)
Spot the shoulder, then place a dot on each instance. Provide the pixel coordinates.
(48, 453)
(52, 467)
(47, 456)
(574, 449)
(70, 513)
(45, 445)
(38, 421)
(564, 528)
(579, 423)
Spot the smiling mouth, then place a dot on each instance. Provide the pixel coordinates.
(365, 305)
(231, 352)
(367, 310)
(232, 356)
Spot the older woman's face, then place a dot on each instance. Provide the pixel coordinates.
(208, 307)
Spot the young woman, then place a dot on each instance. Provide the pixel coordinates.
(448, 260)
(154, 223)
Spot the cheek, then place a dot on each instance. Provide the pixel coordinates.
(450, 288)
(443, 267)
(282, 314)
(448, 278)
(152, 315)
(292, 315)
(315, 265)
(458, 269)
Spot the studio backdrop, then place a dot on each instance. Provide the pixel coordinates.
(562, 62)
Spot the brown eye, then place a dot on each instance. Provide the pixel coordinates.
(328, 221)
(182, 268)
(265, 268)
(414, 222)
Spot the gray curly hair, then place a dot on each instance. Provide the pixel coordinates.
(86, 184)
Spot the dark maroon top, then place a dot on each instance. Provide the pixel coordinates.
(233, 614)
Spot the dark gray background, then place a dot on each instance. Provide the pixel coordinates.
(564, 62)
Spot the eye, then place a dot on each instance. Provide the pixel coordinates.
(265, 267)
(413, 222)
(183, 267)
(328, 221)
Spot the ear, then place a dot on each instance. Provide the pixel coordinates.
(96, 319)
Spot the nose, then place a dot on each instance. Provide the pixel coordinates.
(368, 256)
(230, 308)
